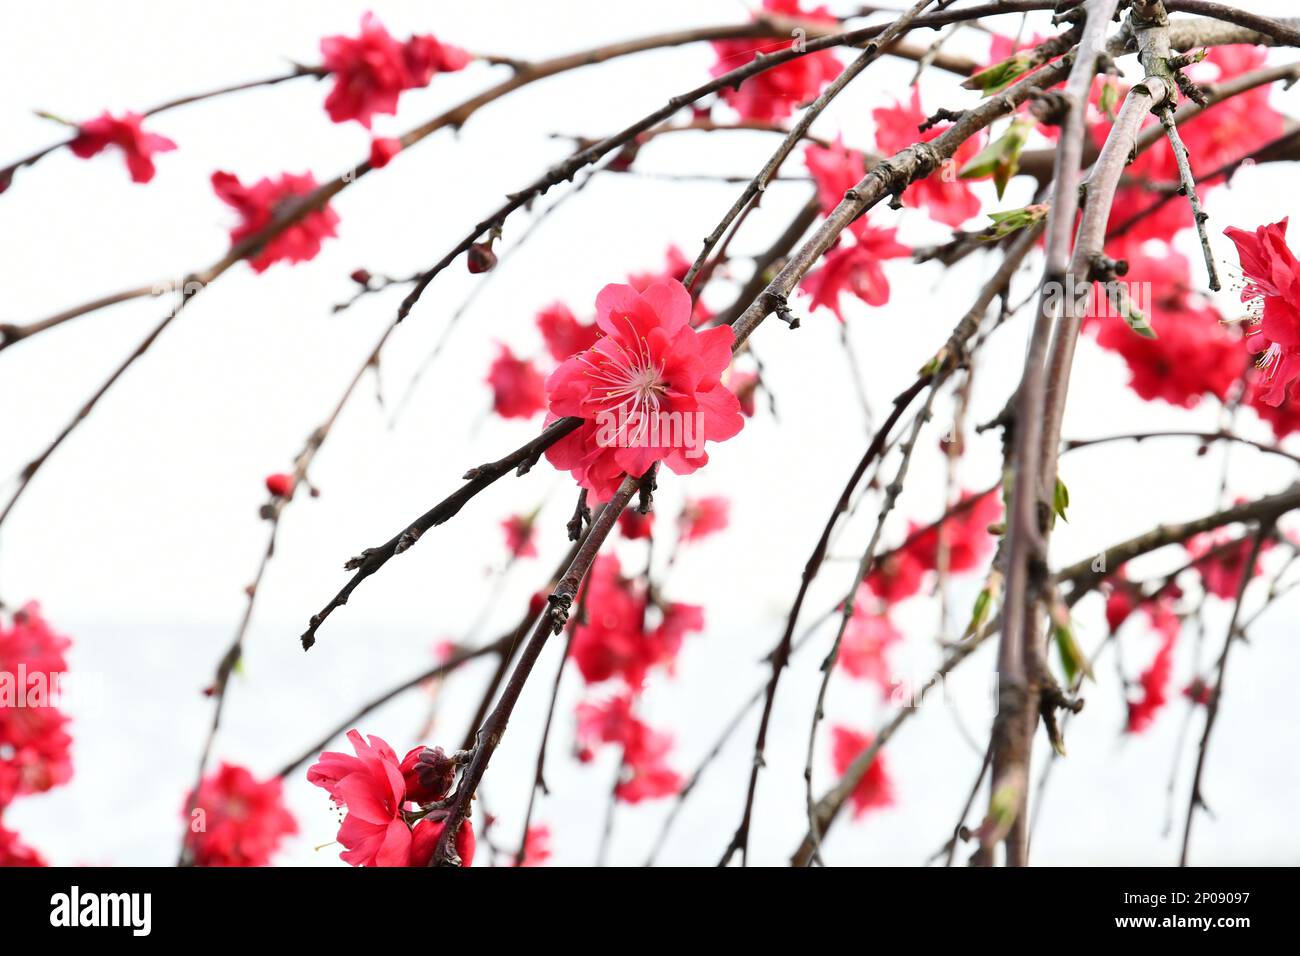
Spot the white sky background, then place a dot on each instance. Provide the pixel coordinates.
(141, 532)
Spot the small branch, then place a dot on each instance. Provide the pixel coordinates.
(521, 460)
(1197, 798)
(892, 491)
(1188, 189)
(551, 622)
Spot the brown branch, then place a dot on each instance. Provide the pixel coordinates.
(755, 187)
(462, 656)
(551, 622)
(521, 461)
(1084, 576)
(1197, 798)
(892, 491)
(7, 172)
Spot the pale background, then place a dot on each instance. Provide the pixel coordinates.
(141, 532)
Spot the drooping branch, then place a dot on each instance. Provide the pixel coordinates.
(552, 621)
(1026, 550)
(1083, 577)
(521, 461)
(1196, 800)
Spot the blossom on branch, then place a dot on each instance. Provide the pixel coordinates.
(948, 200)
(1272, 280)
(645, 774)
(875, 789)
(648, 390)
(35, 748)
(518, 388)
(242, 820)
(372, 69)
(258, 206)
(124, 132)
(773, 94)
(855, 268)
(374, 788)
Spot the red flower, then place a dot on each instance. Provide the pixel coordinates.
(1193, 354)
(646, 774)
(1283, 419)
(773, 94)
(563, 334)
(13, 852)
(702, 517)
(371, 787)
(280, 484)
(1121, 602)
(537, 846)
(382, 151)
(258, 206)
(424, 840)
(855, 268)
(35, 748)
(96, 135)
(965, 534)
(649, 390)
(425, 56)
(244, 820)
(371, 70)
(635, 525)
(867, 638)
(1273, 278)
(875, 789)
(518, 389)
(520, 532)
(948, 199)
(896, 577)
(1154, 681)
(1221, 572)
(613, 640)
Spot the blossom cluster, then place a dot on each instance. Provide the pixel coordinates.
(35, 746)
(958, 543)
(391, 811)
(370, 72)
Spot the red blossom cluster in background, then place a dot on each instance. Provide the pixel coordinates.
(774, 94)
(372, 69)
(138, 147)
(959, 543)
(236, 820)
(625, 630)
(35, 747)
(1194, 354)
(1219, 561)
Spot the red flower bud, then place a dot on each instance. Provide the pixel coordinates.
(429, 774)
(481, 258)
(280, 484)
(361, 277)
